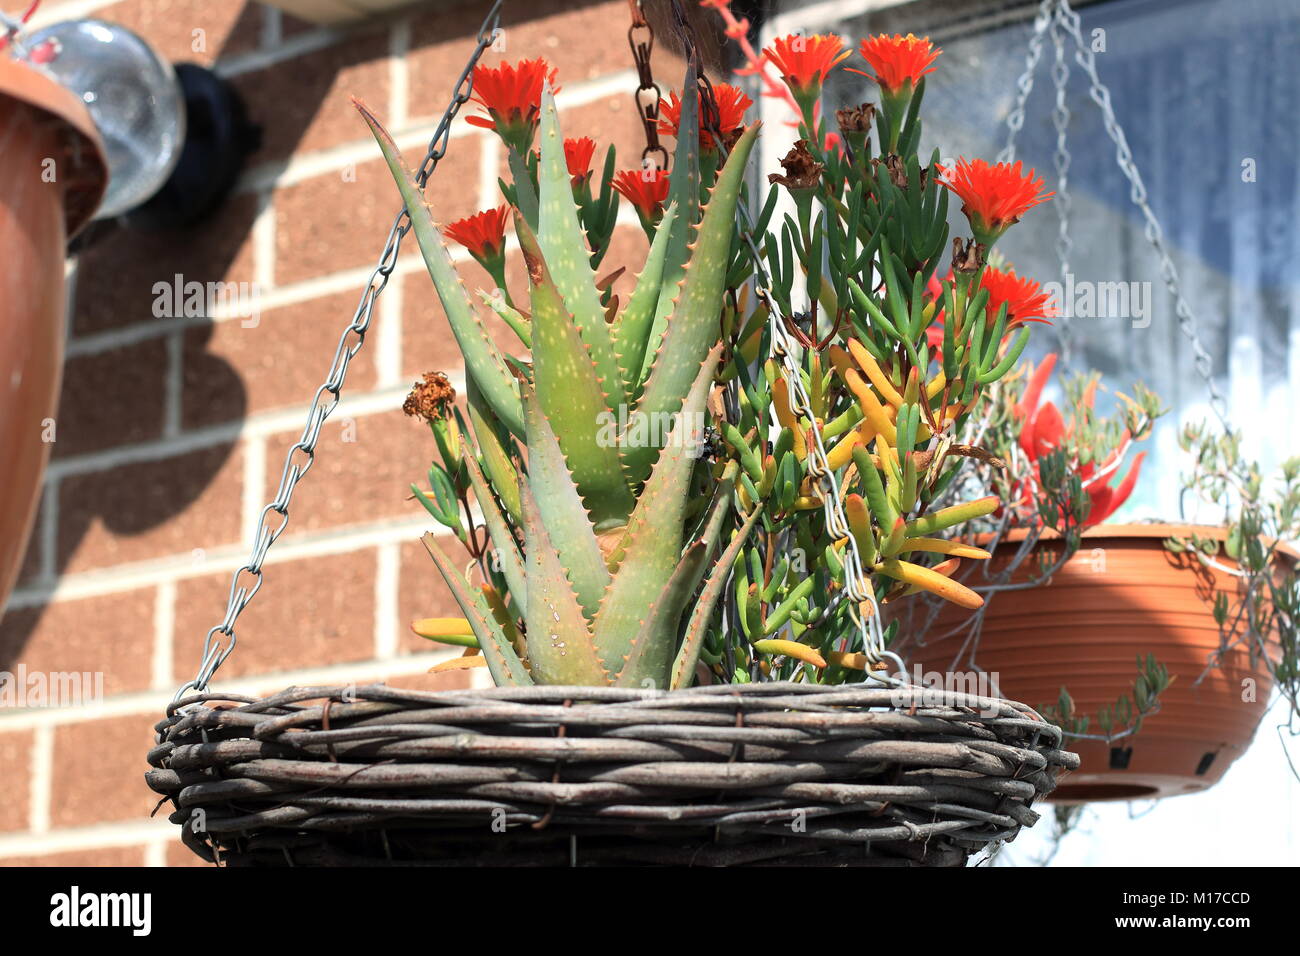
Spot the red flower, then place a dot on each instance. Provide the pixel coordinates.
(805, 62)
(993, 197)
(1026, 302)
(577, 156)
(732, 103)
(1043, 430)
(898, 59)
(511, 95)
(483, 234)
(646, 188)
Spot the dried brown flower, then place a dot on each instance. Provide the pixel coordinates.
(801, 170)
(430, 399)
(856, 119)
(967, 255)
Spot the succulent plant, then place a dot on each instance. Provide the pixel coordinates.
(607, 525)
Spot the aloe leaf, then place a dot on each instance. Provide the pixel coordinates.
(483, 361)
(689, 653)
(570, 393)
(655, 641)
(684, 194)
(503, 663)
(562, 511)
(503, 540)
(496, 460)
(652, 544)
(560, 648)
(564, 245)
(693, 327)
(631, 330)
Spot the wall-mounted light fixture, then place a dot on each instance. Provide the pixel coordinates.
(176, 137)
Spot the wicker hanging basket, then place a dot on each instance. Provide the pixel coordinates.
(772, 773)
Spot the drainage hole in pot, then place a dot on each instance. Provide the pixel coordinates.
(1120, 757)
(1204, 765)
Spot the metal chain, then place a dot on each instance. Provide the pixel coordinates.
(1025, 84)
(275, 516)
(648, 95)
(856, 583)
(1063, 202)
(1060, 12)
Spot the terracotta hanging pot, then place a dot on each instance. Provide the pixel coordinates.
(1122, 594)
(53, 178)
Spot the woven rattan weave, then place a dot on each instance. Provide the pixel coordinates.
(773, 773)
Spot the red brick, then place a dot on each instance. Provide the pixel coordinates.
(427, 342)
(583, 40)
(33, 560)
(612, 120)
(134, 376)
(150, 509)
(326, 223)
(280, 361)
(60, 637)
(178, 854)
(422, 593)
(116, 275)
(313, 612)
(99, 768)
(363, 471)
(169, 25)
(15, 770)
(103, 856)
(446, 680)
(304, 103)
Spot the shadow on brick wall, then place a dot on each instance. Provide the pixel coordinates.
(143, 496)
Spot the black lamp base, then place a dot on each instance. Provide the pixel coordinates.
(218, 138)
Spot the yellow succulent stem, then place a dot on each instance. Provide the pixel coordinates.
(801, 652)
(958, 549)
(932, 581)
(871, 406)
(875, 373)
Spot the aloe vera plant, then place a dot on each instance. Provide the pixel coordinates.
(610, 533)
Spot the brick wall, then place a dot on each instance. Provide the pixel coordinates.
(171, 432)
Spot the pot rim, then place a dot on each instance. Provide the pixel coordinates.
(1136, 529)
(86, 183)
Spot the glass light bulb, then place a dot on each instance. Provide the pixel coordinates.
(133, 97)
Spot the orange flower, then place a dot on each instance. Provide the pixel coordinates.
(483, 234)
(646, 188)
(805, 62)
(732, 104)
(577, 156)
(898, 59)
(1026, 302)
(511, 95)
(993, 197)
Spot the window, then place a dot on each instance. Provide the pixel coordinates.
(1206, 92)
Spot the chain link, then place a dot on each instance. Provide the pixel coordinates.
(1063, 202)
(247, 581)
(648, 95)
(1059, 13)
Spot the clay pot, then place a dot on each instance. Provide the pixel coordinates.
(1122, 594)
(54, 176)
